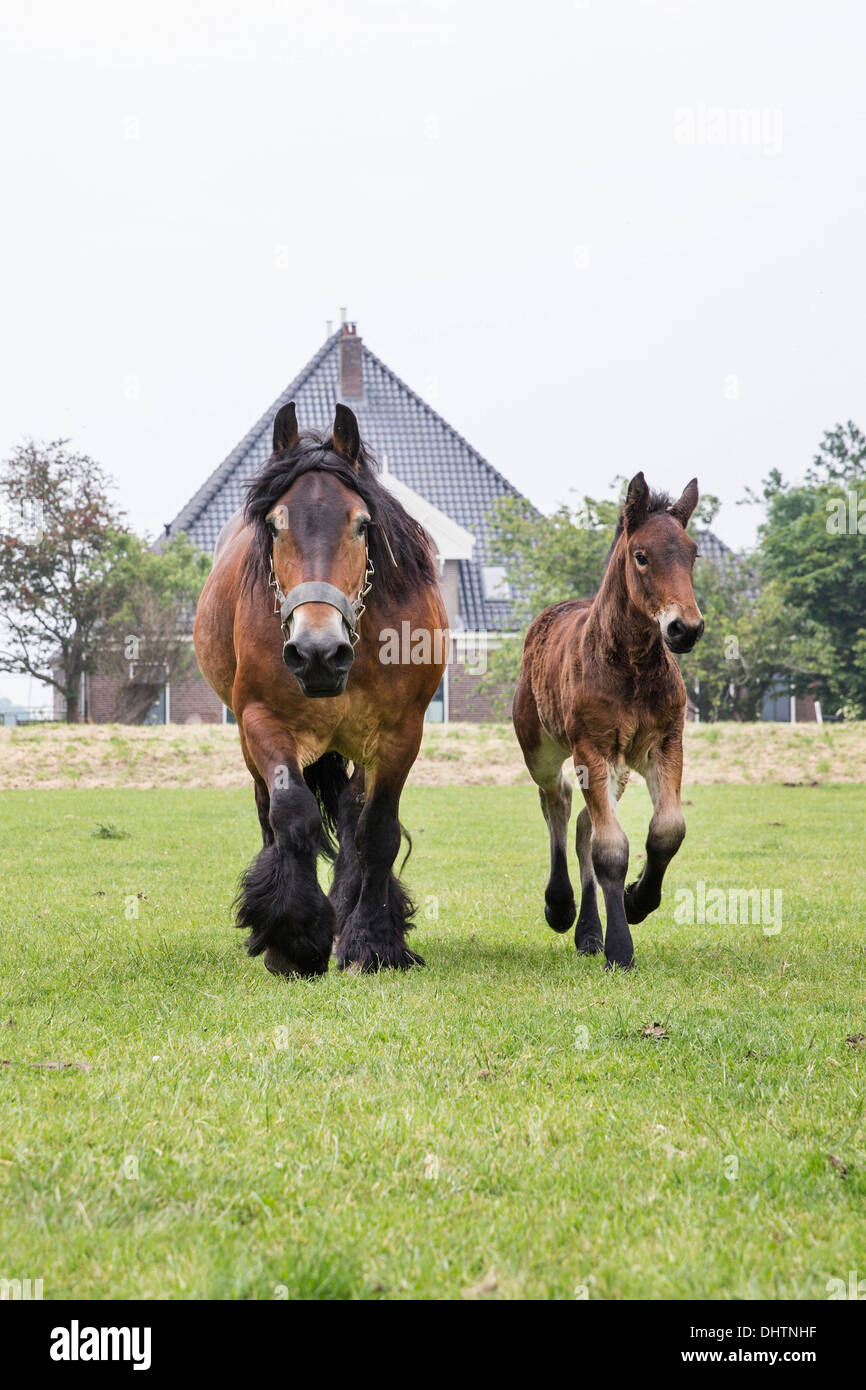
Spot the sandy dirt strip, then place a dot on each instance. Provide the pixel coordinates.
(201, 755)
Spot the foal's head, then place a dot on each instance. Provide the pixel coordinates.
(659, 555)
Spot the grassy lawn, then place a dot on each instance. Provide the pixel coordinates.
(177, 1123)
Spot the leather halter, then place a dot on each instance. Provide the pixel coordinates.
(317, 591)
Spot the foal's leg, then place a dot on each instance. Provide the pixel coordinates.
(667, 829)
(609, 852)
(588, 937)
(280, 901)
(559, 909)
(544, 758)
(373, 935)
(554, 791)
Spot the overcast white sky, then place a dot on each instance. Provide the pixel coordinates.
(544, 217)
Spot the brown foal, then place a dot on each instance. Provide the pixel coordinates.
(599, 683)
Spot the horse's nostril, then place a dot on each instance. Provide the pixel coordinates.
(699, 631)
(293, 659)
(676, 629)
(343, 657)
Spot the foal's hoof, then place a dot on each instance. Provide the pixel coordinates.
(559, 913)
(278, 963)
(636, 907)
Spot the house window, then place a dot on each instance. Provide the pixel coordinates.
(228, 716)
(437, 710)
(777, 704)
(158, 712)
(494, 582)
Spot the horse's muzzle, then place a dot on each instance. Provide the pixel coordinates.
(680, 637)
(320, 663)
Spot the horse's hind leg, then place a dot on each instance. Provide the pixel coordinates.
(588, 937)
(663, 773)
(544, 759)
(263, 807)
(609, 851)
(346, 884)
(559, 909)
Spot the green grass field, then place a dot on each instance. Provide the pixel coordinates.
(176, 1123)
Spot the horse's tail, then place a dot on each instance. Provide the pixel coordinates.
(326, 779)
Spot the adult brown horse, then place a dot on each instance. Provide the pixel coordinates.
(320, 564)
(598, 682)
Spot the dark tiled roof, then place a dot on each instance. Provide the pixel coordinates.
(407, 437)
(711, 547)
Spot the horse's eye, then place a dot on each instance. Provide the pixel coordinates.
(641, 559)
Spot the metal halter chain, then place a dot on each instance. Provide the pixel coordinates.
(317, 591)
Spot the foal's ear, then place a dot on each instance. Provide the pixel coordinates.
(347, 440)
(683, 508)
(636, 504)
(285, 428)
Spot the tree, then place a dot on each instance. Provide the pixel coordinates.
(813, 547)
(149, 640)
(62, 542)
(749, 641)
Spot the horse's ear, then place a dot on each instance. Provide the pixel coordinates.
(347, 439)
(634, 512)
(285, 428)
(685, 505)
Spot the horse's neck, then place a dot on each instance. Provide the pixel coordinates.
(621, 635)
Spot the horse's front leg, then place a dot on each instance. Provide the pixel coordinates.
(609, 851)
(280, 902)
(373, 935)
(663, 771)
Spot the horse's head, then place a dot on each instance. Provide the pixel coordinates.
(659, 557)
(320, 559)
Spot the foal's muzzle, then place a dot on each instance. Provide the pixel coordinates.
(681, 637)
(320, 662)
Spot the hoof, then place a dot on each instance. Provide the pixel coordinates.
(622, 963)
(364, 960)
(637, 909)
(278, 963)
(559, 913)
(590, 945)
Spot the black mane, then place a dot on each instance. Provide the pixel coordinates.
(391, 525)
(659, 502)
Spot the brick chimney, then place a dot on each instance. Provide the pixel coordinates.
(351, 364)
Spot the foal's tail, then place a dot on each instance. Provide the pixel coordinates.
(326, 779)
